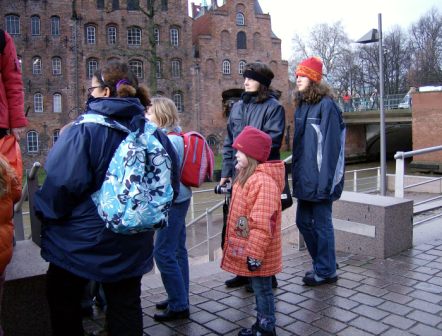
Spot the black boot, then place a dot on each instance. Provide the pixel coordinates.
(237, 281)
(170, 315)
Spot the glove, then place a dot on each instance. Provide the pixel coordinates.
(253, 264)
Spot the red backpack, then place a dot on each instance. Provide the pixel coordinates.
(198, 160)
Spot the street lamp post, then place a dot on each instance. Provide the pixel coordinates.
(376, 36)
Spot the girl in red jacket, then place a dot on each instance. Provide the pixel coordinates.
(10, 192)
(252, 246)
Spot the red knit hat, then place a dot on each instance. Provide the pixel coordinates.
(311, 68)
(254, 143)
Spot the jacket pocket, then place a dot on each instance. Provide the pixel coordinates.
(236, 250)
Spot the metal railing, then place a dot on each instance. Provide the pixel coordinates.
(362, 180)
(399, 188)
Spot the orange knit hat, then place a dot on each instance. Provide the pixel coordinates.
(311, 68)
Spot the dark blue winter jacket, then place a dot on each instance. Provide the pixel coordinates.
(74, 237)
(318, 151)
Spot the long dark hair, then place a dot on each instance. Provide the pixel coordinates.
(122, 82)
(313, 93)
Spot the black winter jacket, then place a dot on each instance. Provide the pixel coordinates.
(268, 116)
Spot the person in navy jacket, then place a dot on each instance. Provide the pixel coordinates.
(74, 239)
(317, 167)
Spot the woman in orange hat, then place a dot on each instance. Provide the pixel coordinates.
(317, 167)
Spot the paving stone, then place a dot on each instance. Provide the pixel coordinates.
(352, 331)
(221, 326)
(417, 276)
(202, 317)
(398, 298)
(233, 301)
(369, 325)
(370, 312)
(371, 290)
(427, 270)
(398, 321)
(339, 314)
(285, 307)
(397, 332)
(212, 307)
(399, 289)
(314, 305)
(305, 315)
(351, 276)
(350, 284)
(421, 329)
(213, 295)
(329, 325)
(436, 281)
(193, 329)
(367, 299)
(300, 328)
(291, 298)
(342, 303)
(284, 319)
(424, 295)
(395, 308)
(425, 318)
(425, 306)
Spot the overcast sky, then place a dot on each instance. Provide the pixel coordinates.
(357, 16)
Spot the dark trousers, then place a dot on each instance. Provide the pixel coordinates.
(65, 291)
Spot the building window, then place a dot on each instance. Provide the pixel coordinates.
(111, 35)
(241, 66)
(115, 4)
(174, 37)
(240, 19)
(55, 26)
(90, 35)
(178, 100)
(133, 5)
(56, 66)
(36, 66)
(13, 24)
(38, 103)
(158, 69)
(176, 69)
(32, 141)
(56, 98)
(241, 40)
(164, 5)
(137, 68)
(156, 35)
(55, 136)
(134, 36)
(92, 66)
(100, 4)
(226, 67)
(35, 25)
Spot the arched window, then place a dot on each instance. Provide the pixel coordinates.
(241, 40)
(158, 69)
(134, 36)
(240, 19)
(35, 25)
(176, 68)
(257, 45)
(55, 26)
(111, 35)
(56, 66)
(115, 4)
(174, 37)
(164, 5)
(36, 66)
(90, 34)
(178, 100)
(38, 103)
(56, 100)
(92, 66)
(32, 141)
(136, 67)
(156, 35)
(241, 66)
(55, 136)
(13, 24)
(226, 67)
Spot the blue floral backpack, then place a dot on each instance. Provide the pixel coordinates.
(136, 193)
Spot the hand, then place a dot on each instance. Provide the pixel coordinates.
(17, 132)
(224, 180)
(253, 264)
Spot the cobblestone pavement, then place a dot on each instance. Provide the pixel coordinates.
(396, 296)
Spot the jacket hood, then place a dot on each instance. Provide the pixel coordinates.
(120, 108)
(276, 170)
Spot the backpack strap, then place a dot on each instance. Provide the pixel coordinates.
(2, 41)
(101, 120)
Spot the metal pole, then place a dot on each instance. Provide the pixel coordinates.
(381, 109)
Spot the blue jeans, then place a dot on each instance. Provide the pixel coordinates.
(314, 221)
(265, 302)
(171, 257)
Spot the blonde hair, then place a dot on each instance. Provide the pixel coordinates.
(245, 173)
(165, 112)
(6, 174)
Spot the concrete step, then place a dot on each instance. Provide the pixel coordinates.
(425, 207)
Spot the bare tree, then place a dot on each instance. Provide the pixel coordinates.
(426, 43)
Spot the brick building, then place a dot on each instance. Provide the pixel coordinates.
(197, 61)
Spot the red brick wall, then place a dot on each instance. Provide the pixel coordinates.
(355, 143)
(427, 124)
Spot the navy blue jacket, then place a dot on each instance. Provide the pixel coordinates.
(74, 237)
(267, 116)
(318, 151)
